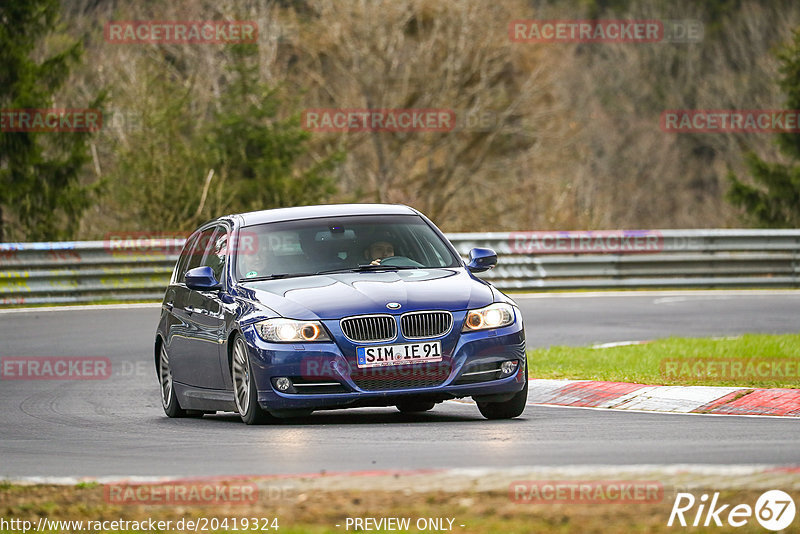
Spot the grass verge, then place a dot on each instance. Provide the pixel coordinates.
(320, 511)
(751, 360)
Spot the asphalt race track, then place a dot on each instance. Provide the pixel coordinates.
(116, 427)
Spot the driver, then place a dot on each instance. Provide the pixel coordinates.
(379, 250)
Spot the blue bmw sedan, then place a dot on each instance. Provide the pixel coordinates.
(278, 313)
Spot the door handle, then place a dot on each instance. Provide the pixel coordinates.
(168, 306)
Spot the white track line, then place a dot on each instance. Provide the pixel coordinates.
(470, 403)
(784, 417)
(85, 307)
(731, 475)
(543, 295)
(657, 293)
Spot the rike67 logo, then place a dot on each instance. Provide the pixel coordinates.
(774, 510)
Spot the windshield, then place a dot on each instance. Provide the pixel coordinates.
(333, 244)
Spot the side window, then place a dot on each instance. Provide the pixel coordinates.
(201, 245)
(183, 260)
(217, 250)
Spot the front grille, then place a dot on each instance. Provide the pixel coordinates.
(369, 328)
(401, 376)
(419, 325)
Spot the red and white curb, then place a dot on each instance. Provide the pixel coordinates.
(672, 399)
(480, 479)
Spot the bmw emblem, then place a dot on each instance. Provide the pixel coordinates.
(393, 305)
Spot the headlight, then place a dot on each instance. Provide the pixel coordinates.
(492, 316)
(288, 330)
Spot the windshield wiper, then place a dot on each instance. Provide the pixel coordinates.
(278, 276)
(366, 268)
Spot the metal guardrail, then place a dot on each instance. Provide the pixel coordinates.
(663, 259)
(91, 271)
(85, 271)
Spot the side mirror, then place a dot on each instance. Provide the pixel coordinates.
(201, 279)
(481, 259)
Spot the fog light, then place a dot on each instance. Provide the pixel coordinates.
(283, 384)
(508, 367)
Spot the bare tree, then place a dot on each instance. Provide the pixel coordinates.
(432, 55)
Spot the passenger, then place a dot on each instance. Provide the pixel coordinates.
(254, 262)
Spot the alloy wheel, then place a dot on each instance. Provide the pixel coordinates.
(165, 374)
(241, 376)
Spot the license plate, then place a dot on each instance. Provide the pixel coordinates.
(408, 353)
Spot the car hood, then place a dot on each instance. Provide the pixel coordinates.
(335, 296)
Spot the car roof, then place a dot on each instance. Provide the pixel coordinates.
(328, 210)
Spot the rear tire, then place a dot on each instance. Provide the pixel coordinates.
(245, 391)
(507, 409)
(415, 406)
(168, 398)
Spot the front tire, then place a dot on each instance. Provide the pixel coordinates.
(507, 409)
(245, 391)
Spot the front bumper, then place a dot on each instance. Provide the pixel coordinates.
(334, 363)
